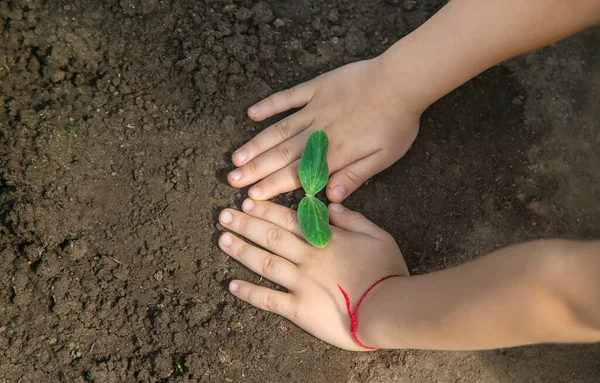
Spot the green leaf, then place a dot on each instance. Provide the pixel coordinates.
(313, 170)
(314, 221)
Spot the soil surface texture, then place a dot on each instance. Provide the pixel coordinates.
(117, 122)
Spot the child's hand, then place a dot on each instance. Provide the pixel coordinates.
(365, 117)
(359, 254)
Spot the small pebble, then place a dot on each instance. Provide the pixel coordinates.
(409, 5)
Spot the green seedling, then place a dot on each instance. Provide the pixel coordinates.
(314, 173)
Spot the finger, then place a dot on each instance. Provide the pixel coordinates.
(294, 97)
(271, 137)
(262, 262)
(285, 180)
(265, 299)
(352, 221)
(346, 180)
(271, 212)
(281, 181)
(269, 162)
(265, 234)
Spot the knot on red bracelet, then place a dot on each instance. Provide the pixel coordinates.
(352, 313)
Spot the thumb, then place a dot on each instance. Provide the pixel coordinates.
(349, 220)
(345, 181)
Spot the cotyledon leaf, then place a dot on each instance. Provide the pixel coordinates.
(313, 170)
(314, 221)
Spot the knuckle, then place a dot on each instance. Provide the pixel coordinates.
(283, 128)
(354, 216)
(253, 296)
(337, 149)
(239, 251)
(268, 263)
(290, 219)
(296, 168)
(285, 152)
(272, 236)
(268, 303)
(266, 211)
(353, 177)
(289, 94)
(252, 167)
(253, 146)
(243, 224)
(272, 100)
(274, 183)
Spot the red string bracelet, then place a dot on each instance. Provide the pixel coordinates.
(352, 313)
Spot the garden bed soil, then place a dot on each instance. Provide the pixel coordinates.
(117, 122)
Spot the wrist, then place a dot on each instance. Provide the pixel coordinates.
(378, 326)
(395, 90)
(409, 76)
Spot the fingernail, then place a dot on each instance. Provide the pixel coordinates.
(337, 208)
(241, 155)
(253, 109)
(226, 240)
(235, 175)
(339, 192)
(226, 217)
(254, 192)
(248, 205)
(233, 287)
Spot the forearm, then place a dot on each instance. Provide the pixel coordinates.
(538, 292)
(467, 37)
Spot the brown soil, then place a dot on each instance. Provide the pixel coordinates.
(117, 120)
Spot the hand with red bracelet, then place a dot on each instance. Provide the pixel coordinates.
(359, 254)
(535, 292)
